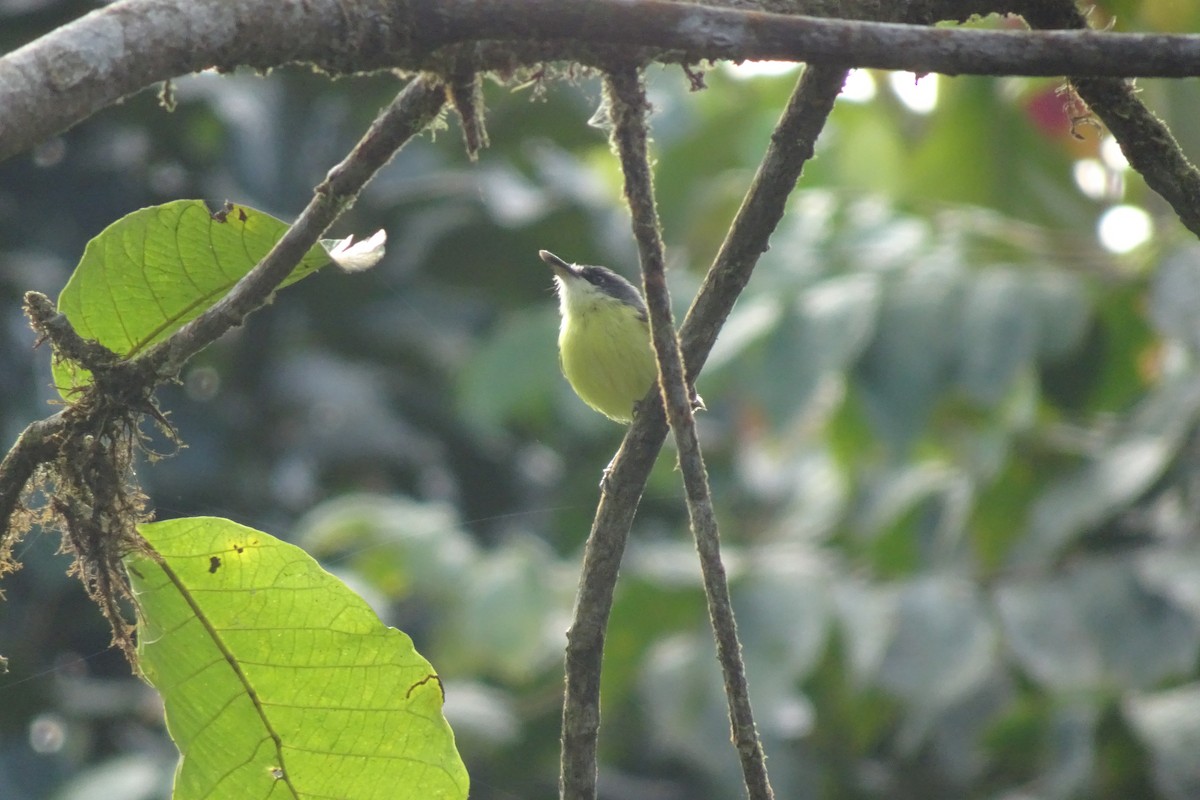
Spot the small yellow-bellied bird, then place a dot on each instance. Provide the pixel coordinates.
(604, 344)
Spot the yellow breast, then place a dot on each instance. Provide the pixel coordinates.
(607, 358)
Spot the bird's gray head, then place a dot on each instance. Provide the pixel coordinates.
(585, 281)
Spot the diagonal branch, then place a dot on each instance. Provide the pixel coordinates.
(790, 147)
(69, 74)
(627, 97)
(1145, 140)
(414, 108)
(44, 441)
(620, 494)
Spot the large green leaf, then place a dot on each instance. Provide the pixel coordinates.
(149, 273)
(508, 376)
(1115, 475)
(278, 681)
(1096, 625)
(943, 645)
(1168, 725)
(907, 364)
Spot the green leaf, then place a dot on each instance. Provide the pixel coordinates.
(1168, 725)
(944, 644)
(907, 364)
(1108, 371)
(1098, 624)
(1048, 635)
(998, 334)
(509, 620)
(1174, 292)
(278, 681)
(509, 377)
(402, 547)
(791, 643)
(146, 275)
(1115, 476)
(680, 700)
(812, 343)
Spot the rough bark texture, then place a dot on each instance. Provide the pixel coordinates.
(67, 75)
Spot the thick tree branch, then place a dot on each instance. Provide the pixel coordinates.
(69, 74)
(627, 97)
(1145, 140)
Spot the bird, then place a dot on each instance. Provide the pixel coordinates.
(604, 346)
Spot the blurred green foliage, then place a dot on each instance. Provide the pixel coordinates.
(951, 437)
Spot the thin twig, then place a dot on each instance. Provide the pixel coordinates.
(1145, 140)
(409, 113)
(627, 98)
(791, 145)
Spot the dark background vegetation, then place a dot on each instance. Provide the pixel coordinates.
(951, 434)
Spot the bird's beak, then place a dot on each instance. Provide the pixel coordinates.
(561, 268)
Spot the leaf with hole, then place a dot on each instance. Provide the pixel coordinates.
(149, 273)
(277, 680)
